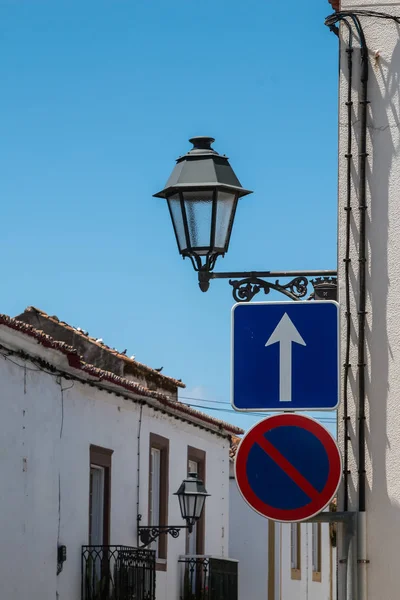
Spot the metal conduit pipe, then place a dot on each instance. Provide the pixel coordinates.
(347, 260)
(361, 524)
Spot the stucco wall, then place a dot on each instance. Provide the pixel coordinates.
(249, 545)
(45, 436)
(383, 292)
(306, 588)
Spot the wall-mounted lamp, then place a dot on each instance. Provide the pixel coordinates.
(191, 495)
(202, 194)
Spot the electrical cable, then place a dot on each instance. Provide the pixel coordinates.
(228, 404)
(250, 413)
(347, 261)
(362, 269)
(138, 475)
(330, 22)
(60, 374)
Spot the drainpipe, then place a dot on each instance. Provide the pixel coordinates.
(362, 553)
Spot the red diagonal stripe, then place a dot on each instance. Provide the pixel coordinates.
(288, 468)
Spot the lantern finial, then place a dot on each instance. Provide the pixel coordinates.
(202, 142)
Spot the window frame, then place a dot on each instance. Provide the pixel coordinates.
(155, 489)
(160, 443)
(101, 457)
(295, 572)
(316, 535)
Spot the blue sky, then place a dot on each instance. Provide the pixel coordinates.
(98, 99)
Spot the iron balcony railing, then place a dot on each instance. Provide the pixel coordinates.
(208, 578)
(118, 573)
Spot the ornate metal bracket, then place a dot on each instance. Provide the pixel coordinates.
(247, 284)
(147, 535)
(244, 290)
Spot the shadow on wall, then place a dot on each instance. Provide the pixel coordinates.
(383, 306)
(384, 145)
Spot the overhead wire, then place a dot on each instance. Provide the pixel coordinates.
(250, 413)
(54, 372)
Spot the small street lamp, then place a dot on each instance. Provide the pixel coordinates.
(202, 195)
(191, 495)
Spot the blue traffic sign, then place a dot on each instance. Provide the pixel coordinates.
(285, 356)
(288, 467)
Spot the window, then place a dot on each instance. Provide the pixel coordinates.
(99, 496)
(295, 552)
(158, 493)
(96, 505)
(316, 551)
(155, 487)
(196, 463)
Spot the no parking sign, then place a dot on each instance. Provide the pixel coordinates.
(288, 467)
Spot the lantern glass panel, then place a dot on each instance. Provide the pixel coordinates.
(199, 506)
(225, 206)
(181, 499)
(177, 220)
(198, 207)
(190, 504)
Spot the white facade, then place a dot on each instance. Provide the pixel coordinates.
(249, 544)
(47, 424)
(380, 577)
(264, 551)
(315, 579)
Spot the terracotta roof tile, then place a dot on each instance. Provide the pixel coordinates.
(40, 336)
(75, 361)
(99, 342)
(235, 441)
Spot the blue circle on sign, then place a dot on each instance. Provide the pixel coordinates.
(306, 454)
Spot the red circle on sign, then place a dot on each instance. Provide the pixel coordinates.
(317, 504)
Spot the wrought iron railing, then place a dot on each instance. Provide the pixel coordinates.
(118, 573)
(208, 578)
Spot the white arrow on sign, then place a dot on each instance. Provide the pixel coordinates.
(284, 334)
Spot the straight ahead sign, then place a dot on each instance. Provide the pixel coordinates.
(285, 356)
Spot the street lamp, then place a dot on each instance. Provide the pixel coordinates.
(191, 495)
(202, 195)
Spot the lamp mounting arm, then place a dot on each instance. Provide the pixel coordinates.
(148, 534)
(246, 284)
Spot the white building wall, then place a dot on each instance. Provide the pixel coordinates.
(383, 292)
(46, 428)
(305, 588)
(249, 545)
